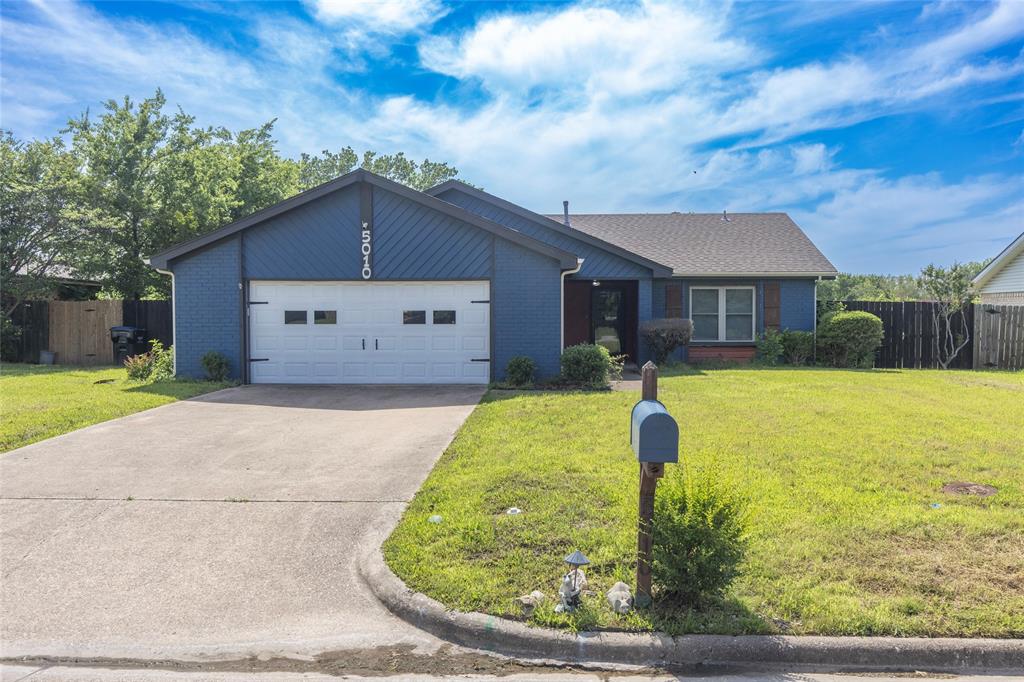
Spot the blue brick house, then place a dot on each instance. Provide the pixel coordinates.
(363, 280)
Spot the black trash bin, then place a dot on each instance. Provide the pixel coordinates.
(127, 341)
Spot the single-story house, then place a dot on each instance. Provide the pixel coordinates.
(1002, 280)
(364, 280)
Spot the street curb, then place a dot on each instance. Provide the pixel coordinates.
(765, 652)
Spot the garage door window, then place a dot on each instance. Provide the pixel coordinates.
(444, 317)
(325, 317)
(414, 317)
(295, 317)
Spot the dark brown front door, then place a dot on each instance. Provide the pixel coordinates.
(604, 314)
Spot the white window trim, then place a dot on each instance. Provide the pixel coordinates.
(721, 313)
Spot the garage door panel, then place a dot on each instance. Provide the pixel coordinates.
(363, 337)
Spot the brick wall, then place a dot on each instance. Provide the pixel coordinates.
(526, 312)
(207, 308)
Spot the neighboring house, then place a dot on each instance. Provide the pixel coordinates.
(363, 280)
(1002, 280)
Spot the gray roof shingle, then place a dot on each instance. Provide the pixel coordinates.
(704, 244)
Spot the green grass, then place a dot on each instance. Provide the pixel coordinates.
(840, 470)
(38, 401)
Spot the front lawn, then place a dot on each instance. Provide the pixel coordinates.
(39, 401)
(842, 470)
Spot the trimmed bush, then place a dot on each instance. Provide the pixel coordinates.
(850, 338)
(139, 367)
(663, 336)
(520, 371)
(699, 537)
(216, 366)
(588, 364)
(797, 346)
(769, 347)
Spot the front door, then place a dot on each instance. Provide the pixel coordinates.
(608, 318)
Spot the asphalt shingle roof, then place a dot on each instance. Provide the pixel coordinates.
(705, 244)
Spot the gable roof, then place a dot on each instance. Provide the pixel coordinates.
(1004, 258)
(160, 260)
(706, 245)
(657, 265)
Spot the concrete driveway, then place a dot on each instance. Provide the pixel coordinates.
(224, 525)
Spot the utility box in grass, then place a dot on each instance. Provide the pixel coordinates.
(653, 433)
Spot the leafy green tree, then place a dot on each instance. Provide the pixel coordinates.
(120, 157)
(150, 180)
(39, 217)
(264, 177)
(136, 179)
(315, 170)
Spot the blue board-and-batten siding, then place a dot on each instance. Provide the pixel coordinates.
(320, 241)
(597, 263)
(412, 241)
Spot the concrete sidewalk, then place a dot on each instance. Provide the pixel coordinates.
(222, 526)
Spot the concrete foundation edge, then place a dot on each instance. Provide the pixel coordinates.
(765, 652)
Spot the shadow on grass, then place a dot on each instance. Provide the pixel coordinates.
(179, 389)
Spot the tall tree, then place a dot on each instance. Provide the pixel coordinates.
(120, 155)
(315, 170)
(39, 217)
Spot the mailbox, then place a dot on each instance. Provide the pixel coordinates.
(654, 433)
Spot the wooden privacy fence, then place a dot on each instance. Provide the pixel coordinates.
(79, 331)
(998, 336)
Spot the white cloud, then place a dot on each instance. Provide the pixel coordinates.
(378, 16)
(901, 225)
(610, 106)
(603, 50)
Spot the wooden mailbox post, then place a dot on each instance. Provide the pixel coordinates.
(654, 435)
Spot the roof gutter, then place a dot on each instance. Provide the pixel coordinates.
(739, 275)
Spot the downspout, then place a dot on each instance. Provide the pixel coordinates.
(814, 332)
(174, 324)
(561, 304)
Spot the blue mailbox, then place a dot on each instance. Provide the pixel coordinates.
(654, 433)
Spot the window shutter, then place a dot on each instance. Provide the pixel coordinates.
(772, 305)
(673, 300)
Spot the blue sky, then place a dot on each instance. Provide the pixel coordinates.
(892, 132)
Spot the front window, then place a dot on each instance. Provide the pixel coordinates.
(722, 313)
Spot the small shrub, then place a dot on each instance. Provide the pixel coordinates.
(850, 338)
(162, 361)
(216, 366)
(769, 347)
(663, 336)
(10, 335)
(699, 538)
(588, 364)
(520, 371)
(139, 367)
(797, 346)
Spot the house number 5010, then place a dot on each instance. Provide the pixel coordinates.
(367, 251)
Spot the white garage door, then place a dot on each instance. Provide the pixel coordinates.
(369, 332)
